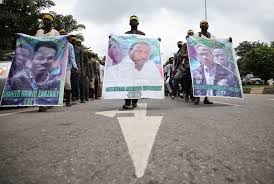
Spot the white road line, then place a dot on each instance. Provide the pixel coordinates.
(140, 132)
(237, 105)
(271, 99)
(17, 112)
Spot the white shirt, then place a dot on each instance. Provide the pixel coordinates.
(125, 73)
(52, 32)
(168, 69)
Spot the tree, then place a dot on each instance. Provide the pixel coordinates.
(20, 16)
(256, 58)
(243, 48)
(272, 44)
(260, 61)
(66, 22)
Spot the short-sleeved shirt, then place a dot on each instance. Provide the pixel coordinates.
(41, 32)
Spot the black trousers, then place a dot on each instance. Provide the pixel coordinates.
(83, 88)
(75, 81)
(128, 102)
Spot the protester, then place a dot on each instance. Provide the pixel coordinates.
(178, 69)
(75, 74)
(204, 33)
(169, 78)
(84, 82)
(46, 30)
(102, 68)
(133, 22)
(70, 65)
(187, 74)
(94, 68)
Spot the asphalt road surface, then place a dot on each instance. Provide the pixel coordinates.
(160, 142)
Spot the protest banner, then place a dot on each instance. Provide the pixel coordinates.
(133, 68)
(213, 68)
(37, 73)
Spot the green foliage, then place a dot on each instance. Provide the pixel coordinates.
(20, 16)
(66, 22)
(256, 58)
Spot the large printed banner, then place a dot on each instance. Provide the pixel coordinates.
(214, 68)
(133, 68)
(37, 73)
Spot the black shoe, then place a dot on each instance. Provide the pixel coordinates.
(83, 101)
(127, 107)
(87, 99)
(74, 102)
(68, 104)
(196, 101)
(186, 98)
(207, 102)
(172, 97)
(42, 109)
(134, 105)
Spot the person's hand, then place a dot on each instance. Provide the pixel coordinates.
(159, 39)
(230, 39)
(17, 35)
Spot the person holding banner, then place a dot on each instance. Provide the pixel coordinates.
(47, 30)
(211, 72)
(204, 33)
(133, 22)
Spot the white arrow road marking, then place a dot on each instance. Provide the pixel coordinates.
(140, 132)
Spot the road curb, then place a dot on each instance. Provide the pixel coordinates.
(267, 90)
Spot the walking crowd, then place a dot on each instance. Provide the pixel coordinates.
(85, 70)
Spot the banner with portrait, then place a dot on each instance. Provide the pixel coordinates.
(213, 68)
(4, 72)
(133, 68)
(37, 73)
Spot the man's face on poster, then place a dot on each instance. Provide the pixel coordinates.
(23, 57)
(220, 56)
(205, 55)
(43, 60)
(140, 53)
(115, 53)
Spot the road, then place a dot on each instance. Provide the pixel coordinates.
(161, 142)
